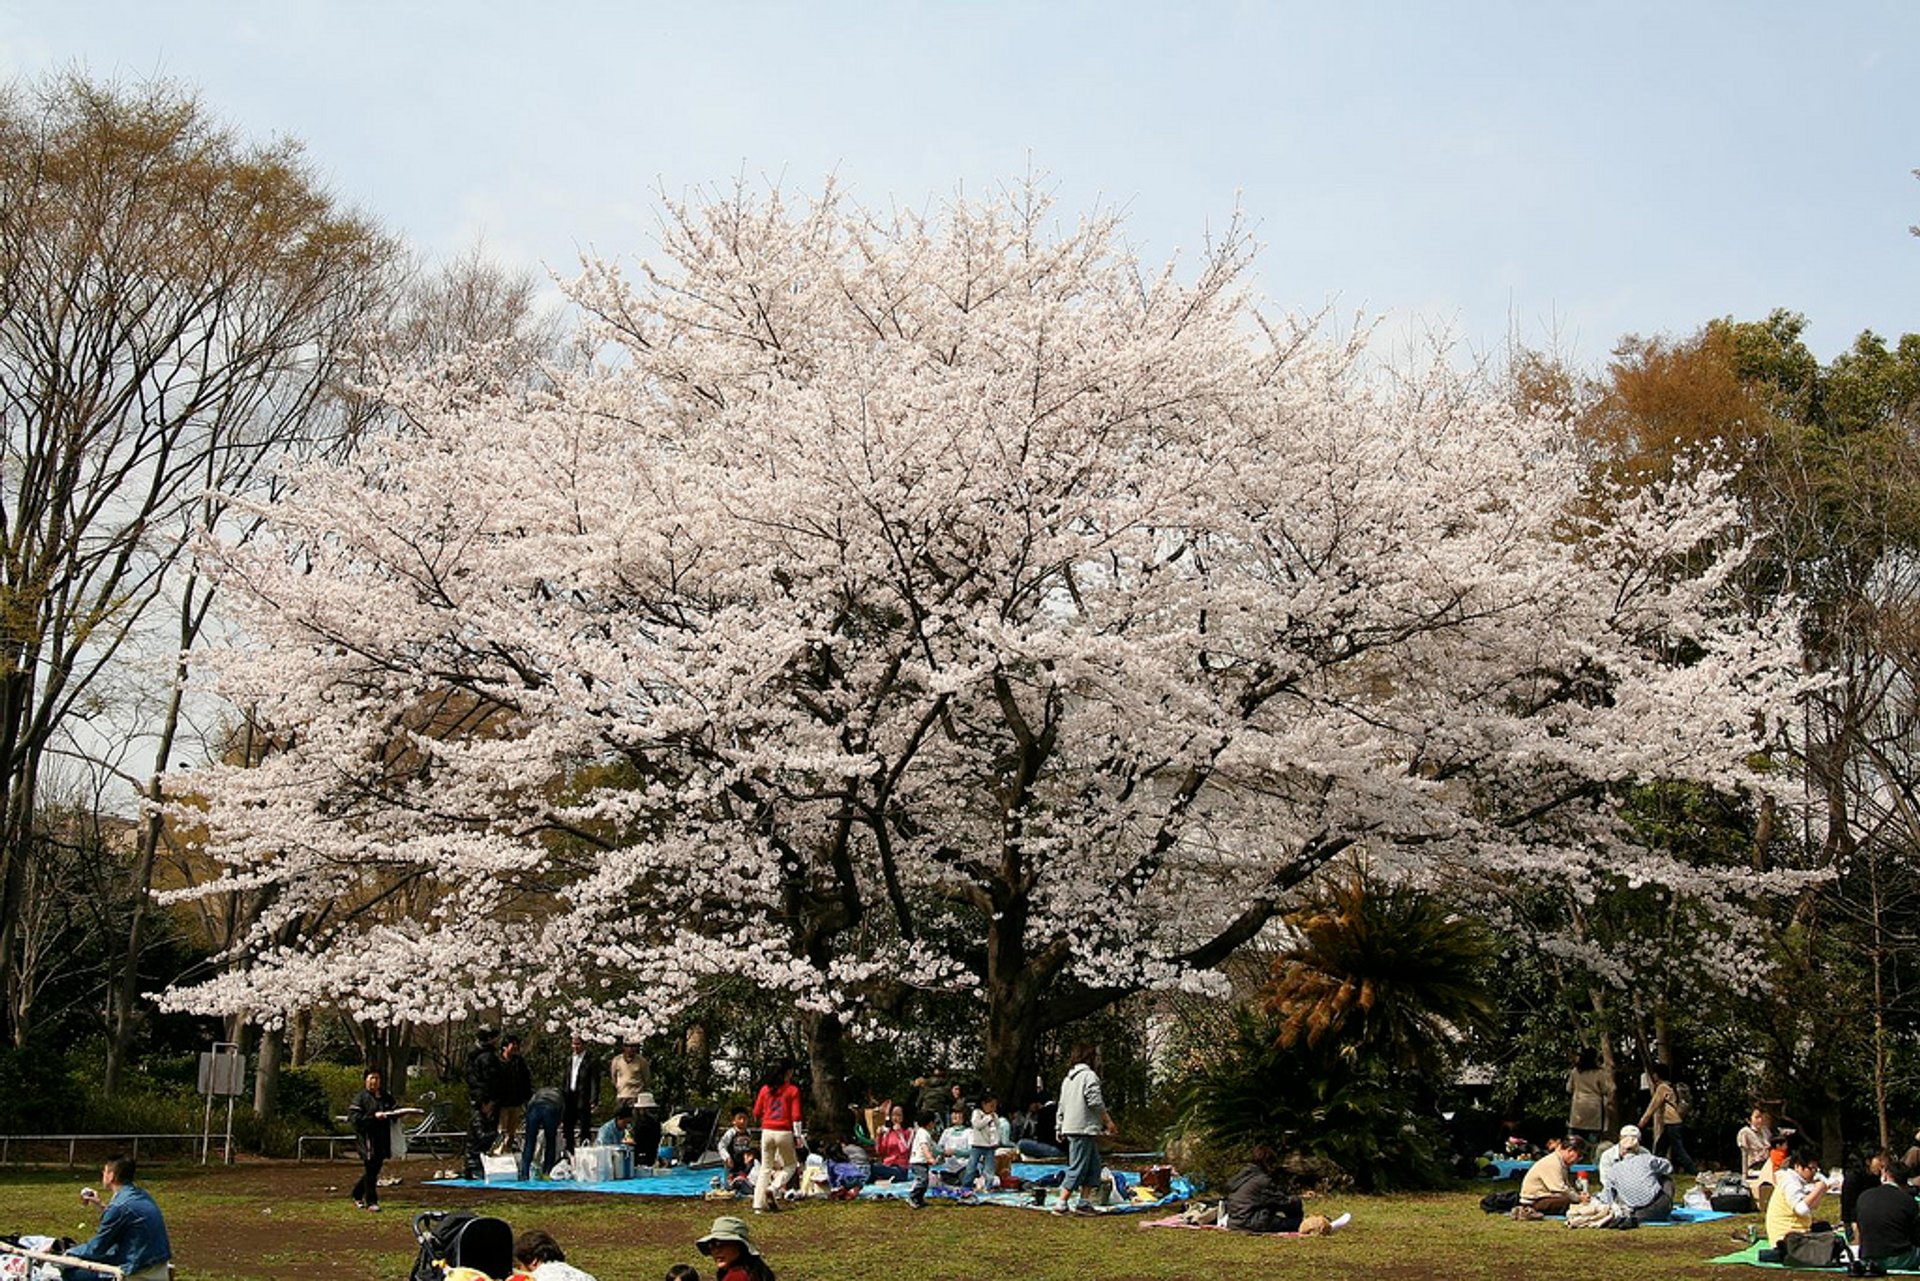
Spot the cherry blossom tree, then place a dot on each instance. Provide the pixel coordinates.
(944, 602)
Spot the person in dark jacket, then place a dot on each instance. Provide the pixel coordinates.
(483, 1089)
(1259, 1200)
(514, 1089)
(581, 1089)
(371, 1115)
(645, 1135)
(1887, 1220)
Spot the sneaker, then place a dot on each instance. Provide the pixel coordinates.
(359, 1205)
(373, 1209)
(1084, 1208)
(1060, 1209)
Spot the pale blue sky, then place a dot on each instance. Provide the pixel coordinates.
(1591, 169)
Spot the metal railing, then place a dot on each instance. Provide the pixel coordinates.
(428, 1143)
(129, 1143)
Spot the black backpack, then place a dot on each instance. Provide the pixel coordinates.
(1499, 1202)
(461, 1239)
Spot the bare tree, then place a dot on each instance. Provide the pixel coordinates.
(173, 304)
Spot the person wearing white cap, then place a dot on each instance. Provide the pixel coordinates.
(1638, 1184)
(1611, 1152)
(735, 1257)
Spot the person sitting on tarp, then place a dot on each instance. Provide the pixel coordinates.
(893, 1147)
(1639, 1183)
(538, 1256)
(1548, 1187)
(132, 1236)
(1888, 1221)
(739, 1152)
(1027, 1131)
(1258, 1198)
(1797, 1189)
(614, 1132)
(645, 1135)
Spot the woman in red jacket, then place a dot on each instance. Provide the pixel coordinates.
(777, 1109)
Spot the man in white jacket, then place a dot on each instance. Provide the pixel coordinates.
(1082, 1119)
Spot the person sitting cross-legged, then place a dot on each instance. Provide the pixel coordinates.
(132, 1236)
(1889, 1222)
(1639, 1184)
(1548, 1187)
(1798, 1190)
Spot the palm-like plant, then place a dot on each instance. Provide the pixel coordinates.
(1381, 974)
(1360, 1018)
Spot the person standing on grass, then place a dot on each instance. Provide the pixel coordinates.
(1667, 1114)
(1590, 1097)
(777, 1109)
(920, 1160)
(983, 1140)
(483, 1088)
(630, 1073)
(371, 1116)
(582, 1092)
(132, 1236)
(515, 1088)
(1083, 1117)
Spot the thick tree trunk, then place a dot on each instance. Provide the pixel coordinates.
(699, 1059)
(266, 1074)
(1012, 1047)
(1613, 1106)
(827, 1055)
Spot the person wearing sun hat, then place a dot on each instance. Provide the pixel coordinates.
(735, 1257)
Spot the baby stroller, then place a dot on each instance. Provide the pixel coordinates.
(456, 1240)
(692, 1134)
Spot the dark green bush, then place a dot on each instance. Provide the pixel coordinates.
(303, 1097)
(37, 1094)
(1336, 1118)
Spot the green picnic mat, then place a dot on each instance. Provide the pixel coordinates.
(1750, 1255)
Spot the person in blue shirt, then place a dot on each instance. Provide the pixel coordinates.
(131, 1236)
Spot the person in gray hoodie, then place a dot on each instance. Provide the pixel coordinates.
(1083, 1118)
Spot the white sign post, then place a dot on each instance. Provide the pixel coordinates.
(222, 1071)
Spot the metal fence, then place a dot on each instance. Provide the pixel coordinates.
(106, 1145)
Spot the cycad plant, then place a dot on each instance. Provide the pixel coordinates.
(1381, 974)
(1334, 1061)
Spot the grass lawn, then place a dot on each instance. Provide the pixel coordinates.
(284, 1220)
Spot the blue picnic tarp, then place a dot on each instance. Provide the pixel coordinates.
(682, 1181)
